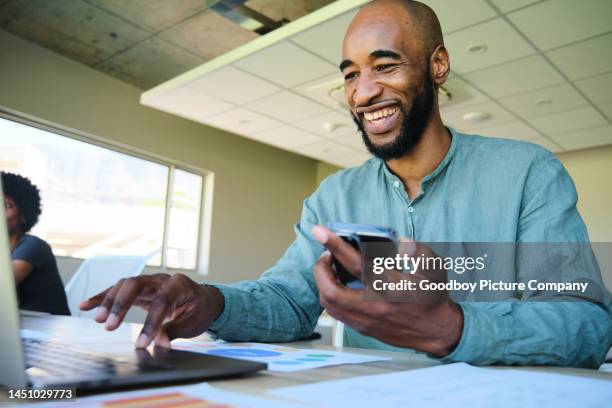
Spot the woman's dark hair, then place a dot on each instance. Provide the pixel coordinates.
(25, 195)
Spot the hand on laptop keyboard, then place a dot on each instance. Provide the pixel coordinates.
(186, 307)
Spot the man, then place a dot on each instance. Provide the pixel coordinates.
(430, 184)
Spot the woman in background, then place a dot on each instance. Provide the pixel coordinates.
(39, 286)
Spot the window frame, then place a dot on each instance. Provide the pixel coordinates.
(202, 260)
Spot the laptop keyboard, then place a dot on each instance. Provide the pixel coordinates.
(49, 358)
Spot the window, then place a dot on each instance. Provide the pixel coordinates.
(99, 201)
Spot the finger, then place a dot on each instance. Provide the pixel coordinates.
(162, 339)
(330, 291)
(324, 275)
(181, 327)
(155, 317)
(125, 298)
(348, 256)
(93, 301)
(107, 303)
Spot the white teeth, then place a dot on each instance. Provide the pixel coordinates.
(379, 114)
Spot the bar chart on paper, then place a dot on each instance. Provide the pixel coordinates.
(166, 400)
(187, 396)
(278, 358)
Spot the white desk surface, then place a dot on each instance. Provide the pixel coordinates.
(92, 335)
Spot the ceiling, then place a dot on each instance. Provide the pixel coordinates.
(545, 76)
(143, 42)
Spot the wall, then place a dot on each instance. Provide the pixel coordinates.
(324, 170)
(258, 189)
(591, 170)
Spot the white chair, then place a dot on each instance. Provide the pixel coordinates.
(98, 273)
(338, 334)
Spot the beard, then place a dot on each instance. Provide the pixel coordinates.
(412, 127)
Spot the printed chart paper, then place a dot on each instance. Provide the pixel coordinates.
(190, 396)
(458, 385)
(278, 358)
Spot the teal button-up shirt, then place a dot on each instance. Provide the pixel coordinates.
(484, 190)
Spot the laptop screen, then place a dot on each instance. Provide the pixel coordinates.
(12, 372)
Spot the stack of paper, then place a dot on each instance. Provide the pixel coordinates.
(278, 358)
(458, 385)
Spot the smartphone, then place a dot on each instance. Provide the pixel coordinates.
(356, 235)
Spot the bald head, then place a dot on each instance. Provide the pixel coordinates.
(416, 19)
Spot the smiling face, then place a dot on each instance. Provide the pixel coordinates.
(387, 79)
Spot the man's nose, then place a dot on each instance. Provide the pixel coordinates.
(366, 90)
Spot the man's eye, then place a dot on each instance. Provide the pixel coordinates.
(350, 75)
(385, 67)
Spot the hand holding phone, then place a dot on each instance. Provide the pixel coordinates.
(358, 235)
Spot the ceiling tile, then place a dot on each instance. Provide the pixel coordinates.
(324, 150)
(509, 5)
(585, 138)
(285, 9)
(606, 109)
(502, 41)
(329, 125)
(208, 35)
(544, 101)
(515, 130)
(597, 89)
(353, 140)
(243, 122)
(287, 106)
(153, 15)
(558, 22)
(498, 116)
(72, 28)
(325, 39)
(353, 160)
(567, 121)
(463, 94)
(319, 90)
(292, 65)
(512, 78)
(547, 144)
(454, 15)
(149, 63)
(188, 103)
(233, 85)
(286, 137)
(572, 59)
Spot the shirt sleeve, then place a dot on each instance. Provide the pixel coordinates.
(567, 333)
(282, 305)
(33, 251)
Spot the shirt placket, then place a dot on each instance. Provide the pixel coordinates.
(408, 206)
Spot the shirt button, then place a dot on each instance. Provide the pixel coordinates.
(396, 183)
(410, 209)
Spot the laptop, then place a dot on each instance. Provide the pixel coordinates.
(41, 363)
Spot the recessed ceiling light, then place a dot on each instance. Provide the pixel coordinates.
(476, 117)
(543, 102)
(476, 48)
(331, 127)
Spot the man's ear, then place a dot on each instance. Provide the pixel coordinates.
(440, 65)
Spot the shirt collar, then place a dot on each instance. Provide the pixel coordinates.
(392, 178)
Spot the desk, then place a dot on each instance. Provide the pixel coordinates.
(92, 335)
